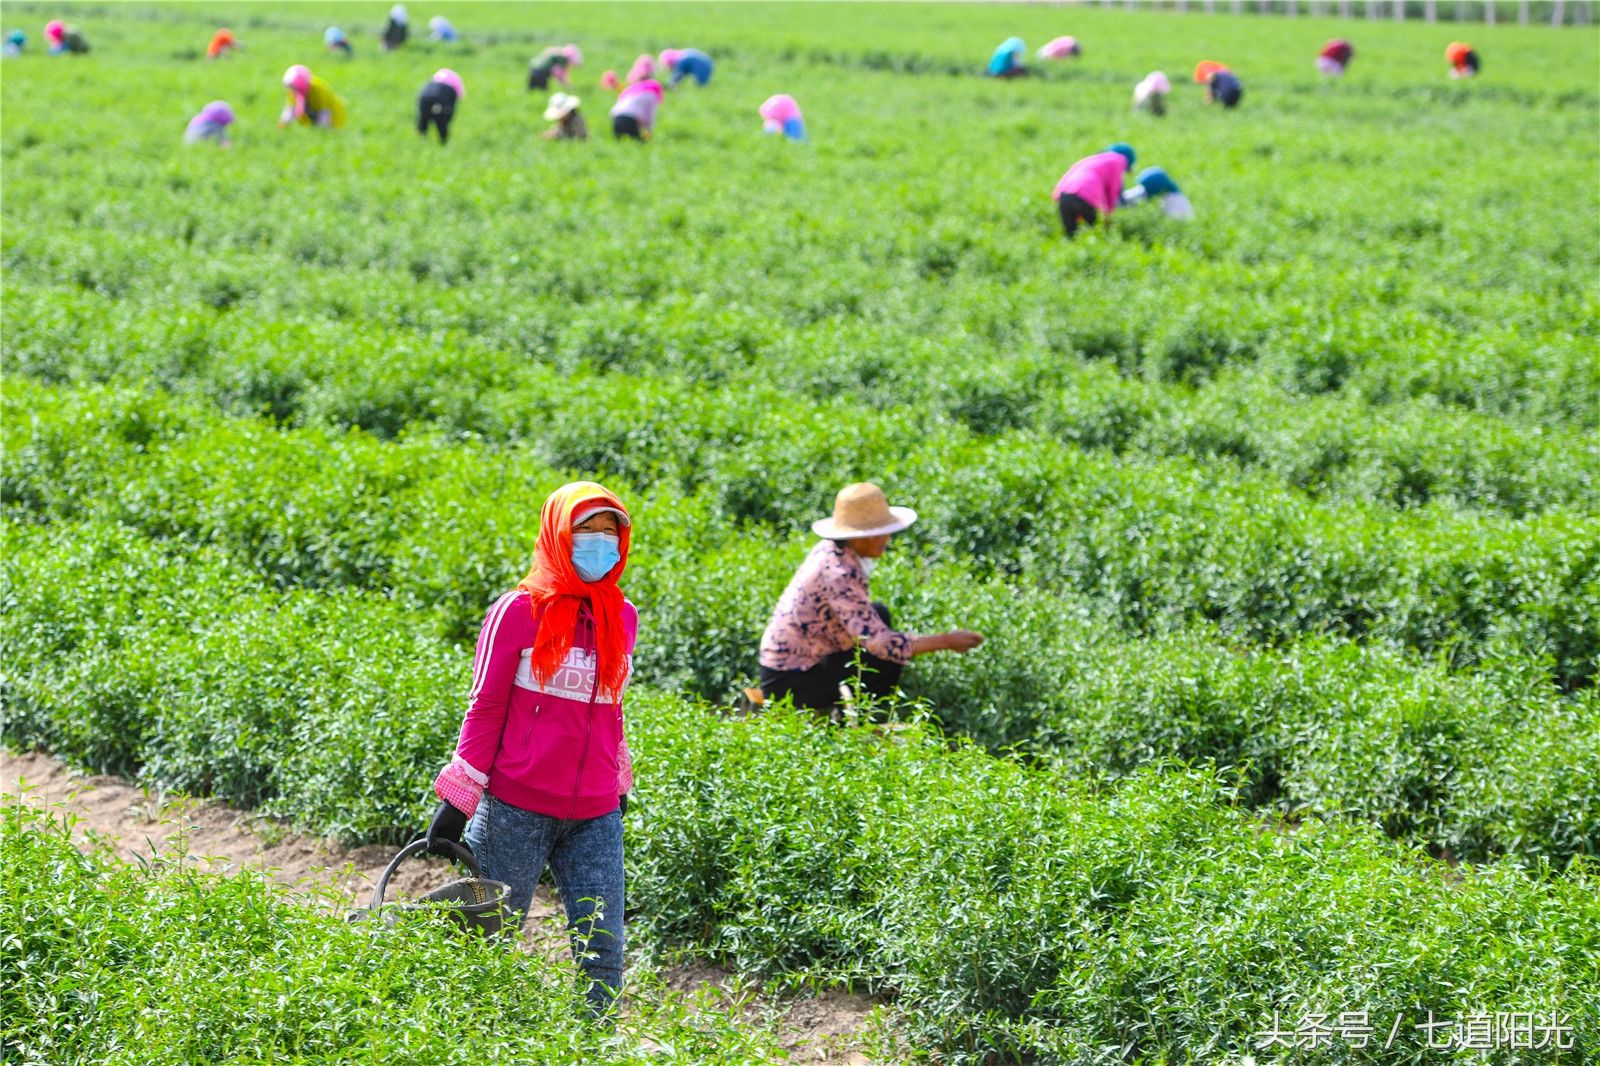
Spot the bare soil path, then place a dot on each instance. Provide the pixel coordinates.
(827, 1028)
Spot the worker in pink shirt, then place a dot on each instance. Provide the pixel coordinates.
(1092, 187)
(541, 768)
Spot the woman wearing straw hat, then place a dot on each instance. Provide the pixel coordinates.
(825, 614)
(569, 124)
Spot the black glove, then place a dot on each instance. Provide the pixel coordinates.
(448, 825)
(622, 803)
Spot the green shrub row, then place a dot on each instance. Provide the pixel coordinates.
(1152, 547)
(384, 379)
(108, 961)
(1012, 911)
(1478, 766)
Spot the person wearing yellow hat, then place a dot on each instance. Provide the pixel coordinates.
(825, 616)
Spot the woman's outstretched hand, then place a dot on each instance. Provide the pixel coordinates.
(962, 640)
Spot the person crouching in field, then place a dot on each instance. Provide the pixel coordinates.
(16, 40)
(1335, 57)
(1463, 59)
(634, 114)
(1092, 187)
(1154, 183)
(62, 39)
(826, 615)
(211, 124)
(1007, 60)
(336, 41)
(554, 63)
(781, 114)
(311, 102)
(1060, 48)
(542, 766)
(569, 124)
(436, 104)
(397, 29)
(643, 69)
(686, 63)
(441, 31)
(1151, 93)
(1222, 85)
(222, 42)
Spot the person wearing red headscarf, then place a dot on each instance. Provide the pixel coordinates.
(541, 767)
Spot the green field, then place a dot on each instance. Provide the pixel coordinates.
(1283, 522)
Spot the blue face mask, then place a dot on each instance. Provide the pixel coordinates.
(594, 554)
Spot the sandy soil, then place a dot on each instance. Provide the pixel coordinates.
(826, 1028)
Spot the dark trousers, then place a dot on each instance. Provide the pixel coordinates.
(625, 126)
(436, 106)
(1075, 210)
(817, 689)
(538, 78)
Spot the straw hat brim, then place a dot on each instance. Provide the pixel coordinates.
(828, 529)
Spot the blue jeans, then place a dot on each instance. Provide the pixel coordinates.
(585, 855)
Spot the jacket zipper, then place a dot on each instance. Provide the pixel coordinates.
(588, 729)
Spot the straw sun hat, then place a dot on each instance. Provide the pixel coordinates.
(561, 105)
(862, 511)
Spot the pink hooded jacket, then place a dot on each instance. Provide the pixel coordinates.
(1097, 178)
(555, 748)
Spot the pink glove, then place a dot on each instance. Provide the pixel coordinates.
(460, 786)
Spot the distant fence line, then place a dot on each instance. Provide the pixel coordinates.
(1521, 12)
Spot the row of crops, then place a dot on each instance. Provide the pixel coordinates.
(1465, 758)
(1281, 526)
(1012, 909)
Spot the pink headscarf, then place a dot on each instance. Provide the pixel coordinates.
(780, 109)
(1060, 48)
(297, 79)
(55, 29)
(670, 57)
(649, 85)
(574, 55)
(449, 77)
(642, 68)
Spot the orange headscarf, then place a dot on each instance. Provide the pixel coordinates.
(1456, 54)
(1205, 68)
(558, 592)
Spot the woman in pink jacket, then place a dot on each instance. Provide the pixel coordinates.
(1092, 187)
(541, 767)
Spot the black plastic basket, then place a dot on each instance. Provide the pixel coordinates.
(474, 902)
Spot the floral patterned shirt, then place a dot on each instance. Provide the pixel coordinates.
(826, 609)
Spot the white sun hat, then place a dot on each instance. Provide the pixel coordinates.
(561, 105)
(861, 510)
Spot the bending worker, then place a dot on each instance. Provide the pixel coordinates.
(809, 648)
(1007, 60)
(1463, 59)
(1222, 85)
(686, 63)
(1335, 57)
(1092, 187)
(311, 102)
(553, 63)
(436, 104)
